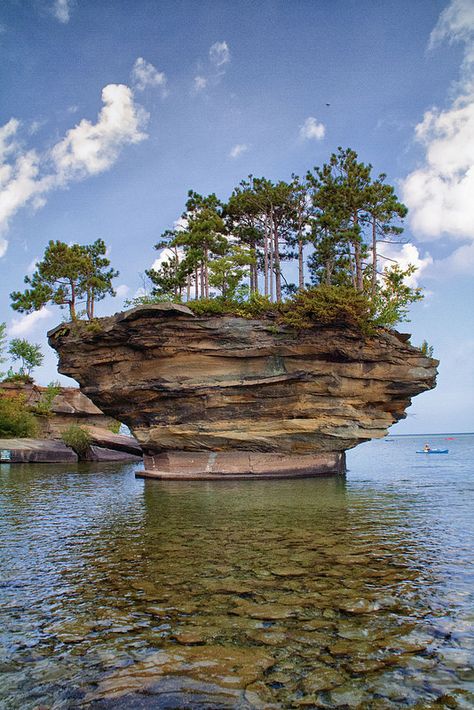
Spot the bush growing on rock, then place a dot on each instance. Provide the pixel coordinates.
(77, 439)
(15, 418)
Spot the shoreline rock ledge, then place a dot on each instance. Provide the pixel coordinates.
(227, 397)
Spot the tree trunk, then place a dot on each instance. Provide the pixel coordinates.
(206, 272)
(265, 259)
(72, 303)
(374, 256)
(358, 259)
(276, 250)
(300, 265)
(188, 287)
(270, 259)
(203, 287)
(196, 284)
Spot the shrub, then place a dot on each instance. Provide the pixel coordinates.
(15, 419)
(426, 349)
(17, 377)
(44, 405)
(114, 427)
(78, 439)
(327, 305)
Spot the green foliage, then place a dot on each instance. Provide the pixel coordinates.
(114, 427)
(77, 439)
(43, 407)
(257, 306)
(67, 276)
(392, 296)
(29, 354)
(16, 377)
(427, 349)
(327, 305)
(210, 307)
(227, 272)
(15, 419)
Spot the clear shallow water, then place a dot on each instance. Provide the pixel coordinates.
(355, 593)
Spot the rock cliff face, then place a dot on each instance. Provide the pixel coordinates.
(229, 395)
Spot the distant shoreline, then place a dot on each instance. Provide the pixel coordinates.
(442, 433)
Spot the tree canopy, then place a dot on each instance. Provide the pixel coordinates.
(68, 276)
(334, 222)
(29, 355)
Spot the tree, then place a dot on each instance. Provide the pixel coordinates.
(393, 296)
(28, 353)
(173, 275)
(227, 272)
(96, 282)
(383, 209)
(67, 276)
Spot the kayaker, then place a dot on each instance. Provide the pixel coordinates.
(426, 448)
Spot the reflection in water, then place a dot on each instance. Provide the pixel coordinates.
(119, 593)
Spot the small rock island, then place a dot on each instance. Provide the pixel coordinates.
(227, 396)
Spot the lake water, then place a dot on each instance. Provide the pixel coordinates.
(349, 593)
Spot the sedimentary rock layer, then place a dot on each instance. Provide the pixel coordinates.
(226, 384)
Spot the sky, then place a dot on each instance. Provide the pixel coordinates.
(112, 110)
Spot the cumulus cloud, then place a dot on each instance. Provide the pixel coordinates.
(165, 255)
(91, 148)
(145, 75)
(238, 149)
(439, 193)
(25, 324)
(219, 54)
(312, 129)
(404, 255)
(62, 10)
(87, 149)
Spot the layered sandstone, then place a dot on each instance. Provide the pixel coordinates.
(228, 394)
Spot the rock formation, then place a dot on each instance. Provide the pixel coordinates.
(70, 407)
(228, 395)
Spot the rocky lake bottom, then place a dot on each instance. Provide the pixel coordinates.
(350, 592)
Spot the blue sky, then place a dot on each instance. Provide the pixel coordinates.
(112, 110)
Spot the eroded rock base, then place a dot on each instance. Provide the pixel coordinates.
(246, 465)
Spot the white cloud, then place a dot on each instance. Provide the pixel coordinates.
(146, 75)
(62, 10)
(165, 255)
(122, 290)
(89, 148)
(440, 192)
(238, 149)
(25, 324)
(404, 255)
(3, 246)
(219, 54)
(312, 129)
(199, 84)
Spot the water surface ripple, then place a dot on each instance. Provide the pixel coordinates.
(332, 593)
